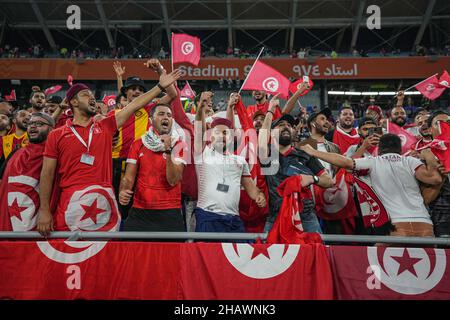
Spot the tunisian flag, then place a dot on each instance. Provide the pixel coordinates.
(408, 139)
(185, 48)
(431, 87)
(52, 89)
(390, 273)
(337, 202)
(441, 145)
(187, 92)
(11, 96)
(255, 272)
(265, 78)
(288, 225)
(296, 85)
(254, 217)
(19, 189)
(344, 140)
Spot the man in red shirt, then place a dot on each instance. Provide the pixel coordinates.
(157, 175)
(80, 153)
(262, 104)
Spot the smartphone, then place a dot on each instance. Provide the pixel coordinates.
(306, 79)
(377, 130)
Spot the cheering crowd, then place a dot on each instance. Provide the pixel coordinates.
(148, 165)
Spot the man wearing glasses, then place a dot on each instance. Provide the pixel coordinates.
(20, 177)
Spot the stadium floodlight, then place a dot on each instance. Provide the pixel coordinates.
(409, 93)
(387, 93)
(352, 93)
(336, 92)
(369, 93)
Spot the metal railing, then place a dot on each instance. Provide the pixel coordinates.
(327, 238)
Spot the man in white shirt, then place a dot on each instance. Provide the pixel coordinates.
(395, 180)
(220, 175)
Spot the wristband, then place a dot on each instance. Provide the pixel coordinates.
(273, 114)
(161, 87)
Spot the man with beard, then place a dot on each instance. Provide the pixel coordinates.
(262, 104)
(17, 139)
(37, 101)
(319, 126)
(17, 217)
(220, 176)
(137, 125)
(5, 123)
(6, 107)
(288, 161)
(82, 152)
(438, 197)
(157, 172)
(425, 132)
(345, 134)
(414, 128)
(369, 140)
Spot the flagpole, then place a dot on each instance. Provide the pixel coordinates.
(262, 49)
(171, 51)
(419, 83)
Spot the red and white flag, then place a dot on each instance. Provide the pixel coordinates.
(185, 48)
(11, 96)
(296, 85)
(288, 226)
(52, 89)
(110, 101)
(408, 139)
(265, 78)
(337, 202)
(431, 87)
(444, 80)
(344, 140)
(441, 145)
(187, 92)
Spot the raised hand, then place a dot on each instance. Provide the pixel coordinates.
(234, 99)
(154, 64)
(274, 102)
(166, 80)
(120, 71)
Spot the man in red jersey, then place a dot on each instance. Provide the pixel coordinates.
(157, 175)
(80, 153)
(262, 104)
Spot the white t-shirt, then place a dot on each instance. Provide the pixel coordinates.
(215, 168)
(352, 150)
(393, 179)
(326, 165)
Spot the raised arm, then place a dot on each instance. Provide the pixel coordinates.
(400, 98)
(264, 132)
(171, 91)
(120, 71)
(290, 104)
(200, 124)
(165, 80)
(234, 98)
(333, 158)
(45, 217)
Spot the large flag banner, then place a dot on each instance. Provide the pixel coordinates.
(187, 92)
(431, 87)
(390, 273)
(265, 78)
(255, 271)
(185, 48)
(408, 139)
